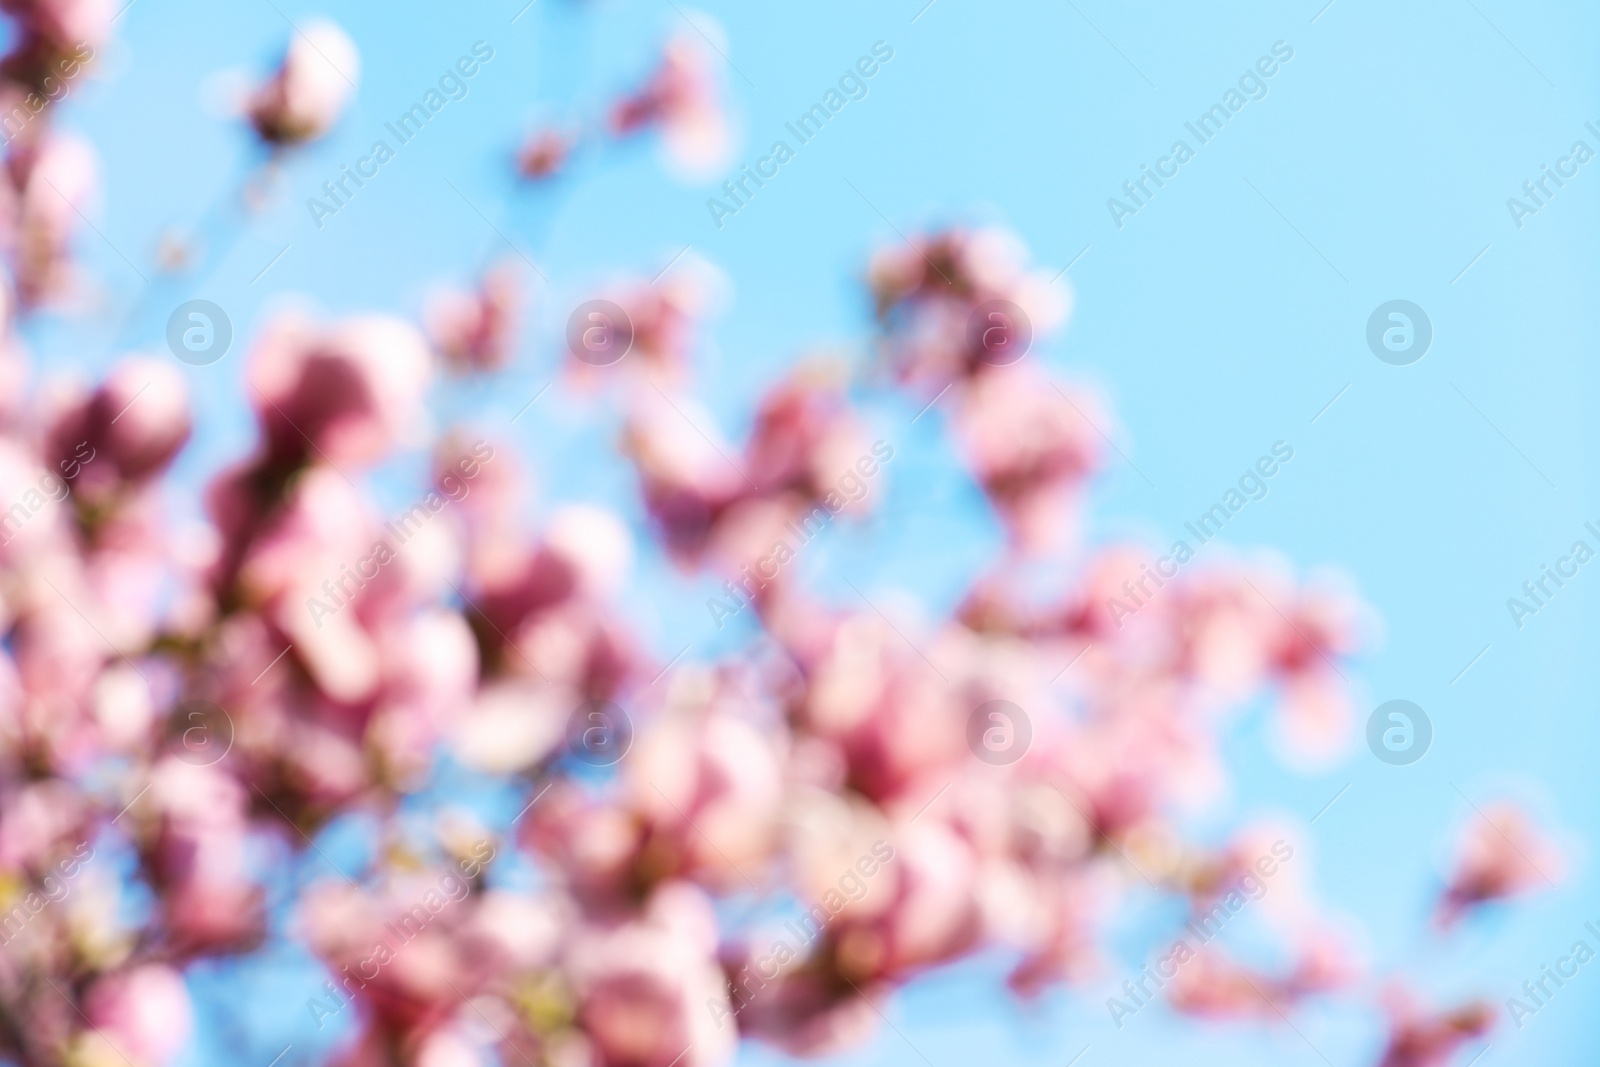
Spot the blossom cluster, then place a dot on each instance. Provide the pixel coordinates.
(477, 650)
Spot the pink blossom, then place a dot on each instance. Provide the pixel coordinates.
(511, 724)
(928, 290)
(143, 1013)
(1032, 447)
(342, 394)
(305, 96)
(54, 38)
(663, 320)
(923, 912)
(585, 556)
(212, 902)
(598, 845)
(396, 951)
(683, 100)
(63, 20)
(38, 823)
(1061, 934)
(1501, 855)
(1213, 985)
(25, 532)
(132, 427)
(355, 665)
(644, 986)
(430, 671)
(806, 437)
(688, 483)
(1422, 1038)
(544, 154)
(709, 785)
(55, 181)
(894, 720)
(806, 1011)
(477, 331)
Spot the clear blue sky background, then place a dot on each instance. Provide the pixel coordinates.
(1223, 317)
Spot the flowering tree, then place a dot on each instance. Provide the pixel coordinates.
(180, 722)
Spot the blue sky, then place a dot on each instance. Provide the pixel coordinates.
(1223, 316)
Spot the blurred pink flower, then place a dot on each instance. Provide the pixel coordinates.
(63, 21)
(340, 395)
(1032, 448)
(1212, 985)
(143, 1013)
(597, 845)
(805, 437)
(709, 784)
(688, 482)
(199, 857)
(1420, 1038)
(545, 153)
(305, 96)
(663, 321)
(928, 290)
(683, 99)
(398, 950)
(366, 668)
(53, 38)
(477, 331)
(1501, 854)
(39, 822)
(55, 178)
(644, 987)
(808, 1012)
(894, 720)
(584, 556)
(126, 431)
(922, 908)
